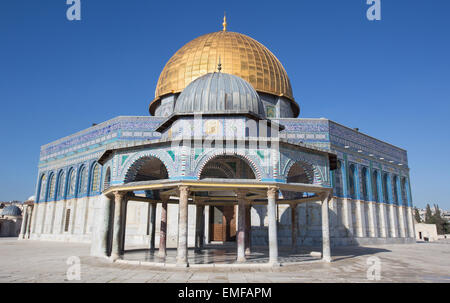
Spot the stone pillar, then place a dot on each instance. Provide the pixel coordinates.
(30, 217)
(273, 237)
(347, 216)
(43, 205)
(124, 224)
(294, 227)
(202, 228)
(241, 195)
(373, 228)
(117, 225)
(34, 215)
(334, 220)
(163, 229)
(383, 220)
(23, 226)
(99, 240)
(63, 216)
(199, 227)
(360, 219)
(206, 225)
(326, 250)
(411, 229)
(248, 229)
(152, 224)
(182, 251)
(393, 221)
(402, 221)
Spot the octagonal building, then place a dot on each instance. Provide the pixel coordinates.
(222, 160)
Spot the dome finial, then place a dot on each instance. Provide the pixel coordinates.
(224, 22)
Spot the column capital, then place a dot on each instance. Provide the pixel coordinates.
(241, 194)
(183, 189)
(119, 194)
(271, 191)
(165, 198)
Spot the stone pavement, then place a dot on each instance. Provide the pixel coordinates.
(38, 261)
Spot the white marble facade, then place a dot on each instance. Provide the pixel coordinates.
(352, 222)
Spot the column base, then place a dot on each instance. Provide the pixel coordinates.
(241, 260)
(182, 264)
(115, 257)
(326, 259)
(162, 254)
(274, 263)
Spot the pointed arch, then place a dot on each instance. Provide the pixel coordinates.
(51, 187)
(213, 154)
(95, 177)
(71, 182)
(60, 185)
(42, 188)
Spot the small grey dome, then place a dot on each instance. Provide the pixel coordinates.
(11, 210)
(219, 93)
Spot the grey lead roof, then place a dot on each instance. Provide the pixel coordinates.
(219, 93)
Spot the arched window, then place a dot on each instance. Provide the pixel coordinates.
(61, 181)
(375, 186)
(107, 181)
(338, 180)
(364, 184)
(95, 178)
(403, 188)
(51, 187)
(82, 182)
(351, 181)
(385, 188)
(42, 188)
(67, 221)
(71, 183)
(395, 191)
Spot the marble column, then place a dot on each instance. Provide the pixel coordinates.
(373, 219)
(100, 234)
(152, 224)
(326, 250)
(124, 224)
(241, 195)
(199, 227)
(347, 216)
(360, 219)
(248, 229)
(28, 228)
(206, 225)
(202, 229)
(294, 227)
(23, 226)
(163, 229)
(117, 225)
(411, 231)
(34, 215)
(271, 213)
(383, 220)
(402, 221)
(393, 221)
(182, 251)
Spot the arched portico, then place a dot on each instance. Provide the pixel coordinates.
(197, 192)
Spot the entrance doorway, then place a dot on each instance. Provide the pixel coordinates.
(222, 223)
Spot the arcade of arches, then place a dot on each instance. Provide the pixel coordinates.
(227, 189)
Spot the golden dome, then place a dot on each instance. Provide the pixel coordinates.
(239, 54)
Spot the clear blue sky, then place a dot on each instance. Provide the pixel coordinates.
(390, 78)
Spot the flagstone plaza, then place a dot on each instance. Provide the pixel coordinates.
(39, 261)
